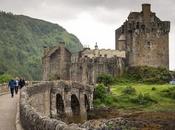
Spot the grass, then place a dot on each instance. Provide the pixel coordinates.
(154, 91)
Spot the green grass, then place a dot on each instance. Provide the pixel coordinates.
(124, 101)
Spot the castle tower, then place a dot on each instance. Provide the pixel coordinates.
(96, 46)
(146, 39)
(121, 42)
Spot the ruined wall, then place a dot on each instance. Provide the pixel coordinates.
(147, 39)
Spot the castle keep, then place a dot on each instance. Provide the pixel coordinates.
(145, 38)
(142, 40)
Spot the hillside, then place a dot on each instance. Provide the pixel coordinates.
(22, 40)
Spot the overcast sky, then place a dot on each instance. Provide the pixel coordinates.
(92, 20)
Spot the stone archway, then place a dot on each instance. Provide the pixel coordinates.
(59, 104)
(87, 105)
(75, 105)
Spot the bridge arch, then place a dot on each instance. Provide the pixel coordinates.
(59, 104)
(75, 105)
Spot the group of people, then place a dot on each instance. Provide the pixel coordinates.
(15, 84)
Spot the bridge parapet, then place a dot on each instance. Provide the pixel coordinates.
(43, 105)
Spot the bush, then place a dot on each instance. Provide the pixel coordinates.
(5, 78)
(102, 98)
(153, 88)
(97, 102)
(129, 90)
(106, 79)
(143, 99)
(100, 92)
(109, 100)
(170, 92)
(149, 74)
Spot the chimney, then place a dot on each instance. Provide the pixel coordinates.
(146, 9)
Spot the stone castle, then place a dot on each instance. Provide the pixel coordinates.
(143, 40)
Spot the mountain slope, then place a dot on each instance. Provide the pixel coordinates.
(22, 40)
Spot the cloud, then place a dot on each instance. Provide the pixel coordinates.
(92, 20)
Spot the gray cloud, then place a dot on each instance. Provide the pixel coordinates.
(102, 10)
(109, 12)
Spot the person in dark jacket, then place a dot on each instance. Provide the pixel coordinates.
(12, 85)
(21, 83)
(17, 85)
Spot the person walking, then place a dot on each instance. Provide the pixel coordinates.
(12, 85)
(21, 83)
(17, 85)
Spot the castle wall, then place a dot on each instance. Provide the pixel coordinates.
(150, 49)
(88, 69)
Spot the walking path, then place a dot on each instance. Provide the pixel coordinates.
(8, 111)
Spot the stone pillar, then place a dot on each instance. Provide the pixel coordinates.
(53, 110)
(67, 102)
(47, 103)
(83, 112)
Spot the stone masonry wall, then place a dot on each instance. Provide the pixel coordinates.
(36, 107)
(88, 69)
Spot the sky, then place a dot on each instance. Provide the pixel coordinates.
(93, 20)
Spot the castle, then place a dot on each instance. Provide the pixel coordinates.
(143, 40)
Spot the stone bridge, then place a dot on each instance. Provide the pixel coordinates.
(49, 104)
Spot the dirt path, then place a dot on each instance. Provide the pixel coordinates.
(8, 112)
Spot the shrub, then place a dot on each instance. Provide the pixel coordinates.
(100, 92)
(129, 90)
(143, 99)
(106, 79)
(109, 100)
(170, 92)
(5, 78)
(97, 102)
(150, 74)
(153, 88)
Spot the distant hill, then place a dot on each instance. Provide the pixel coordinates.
(22, 40)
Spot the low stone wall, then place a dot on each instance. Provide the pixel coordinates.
(4, 88)
(34, 118)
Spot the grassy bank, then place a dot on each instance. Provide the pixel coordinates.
(131, 95)
(161, 101)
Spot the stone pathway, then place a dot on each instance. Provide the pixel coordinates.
(8, 110)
